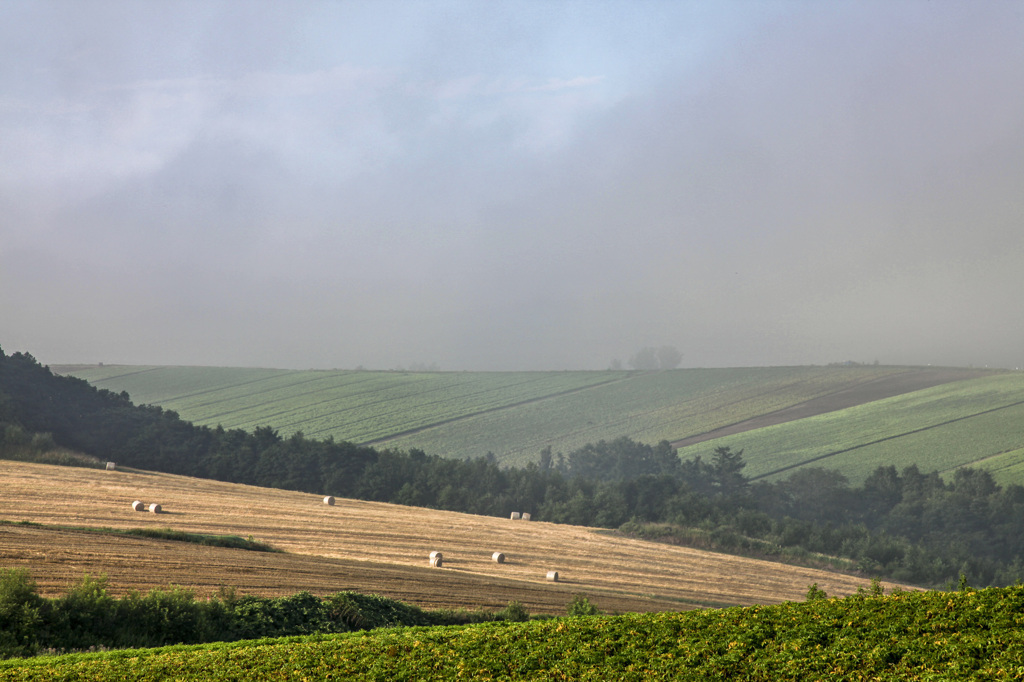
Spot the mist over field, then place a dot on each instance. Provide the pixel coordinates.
(511, 185)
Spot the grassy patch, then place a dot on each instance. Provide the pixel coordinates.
(231, 541)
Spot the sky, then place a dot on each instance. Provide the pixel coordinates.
(524, 185)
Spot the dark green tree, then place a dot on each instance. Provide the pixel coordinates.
(727, 470)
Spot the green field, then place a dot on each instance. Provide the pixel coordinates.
(516, 414)
(922, 635)
(978, 423)
(467, 414)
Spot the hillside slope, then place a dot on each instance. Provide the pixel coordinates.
(511, 414)
(977, 423)
(363, 546)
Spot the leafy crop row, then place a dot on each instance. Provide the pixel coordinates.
(906, 636)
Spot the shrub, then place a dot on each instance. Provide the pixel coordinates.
(581, 606)
(514, 612)
(160, 617)
(814, 593)
(84, 617)
(19, 613)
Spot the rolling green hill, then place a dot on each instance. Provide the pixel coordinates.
(851, 418)
(979, 422)
(467, 414)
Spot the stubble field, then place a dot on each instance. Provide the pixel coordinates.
(363, 546)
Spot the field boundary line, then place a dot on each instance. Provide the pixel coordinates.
(887, 438)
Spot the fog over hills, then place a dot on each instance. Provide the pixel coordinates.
(511, 185)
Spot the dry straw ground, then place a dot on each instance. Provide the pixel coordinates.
(364, 546)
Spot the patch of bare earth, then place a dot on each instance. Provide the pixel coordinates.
(353, 545)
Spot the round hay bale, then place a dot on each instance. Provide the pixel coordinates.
(139, 505)
(155, 508)
(435, 555)
(111, 466)
(435, 562)
(515, 516)
(329, 500)
(553, 576)
(498, 557)
(526, 516)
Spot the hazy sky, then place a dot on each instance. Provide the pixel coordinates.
(512, 185)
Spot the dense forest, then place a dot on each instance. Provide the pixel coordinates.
(903, 525)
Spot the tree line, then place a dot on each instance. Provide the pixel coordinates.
(904, 525)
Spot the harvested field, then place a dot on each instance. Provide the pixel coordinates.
(364, 546)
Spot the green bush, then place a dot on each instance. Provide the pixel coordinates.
(814, 592)
(88, 618)
(161, 617)
(19, 613)
(581, 606)
(85, 617)
(514, 612)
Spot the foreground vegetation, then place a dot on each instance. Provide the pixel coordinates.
(934, 635)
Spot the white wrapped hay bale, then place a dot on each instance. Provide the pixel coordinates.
(155, 508)
(329, 500)
(515, 516)
(139, 505)
(498, 558)
(553, 576)
(526, 516)
(111, 466)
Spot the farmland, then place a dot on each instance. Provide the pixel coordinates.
(353, 545)
(511, 414)
(903, 636)
(979, 422)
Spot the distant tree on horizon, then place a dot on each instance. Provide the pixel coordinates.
(649, 358)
